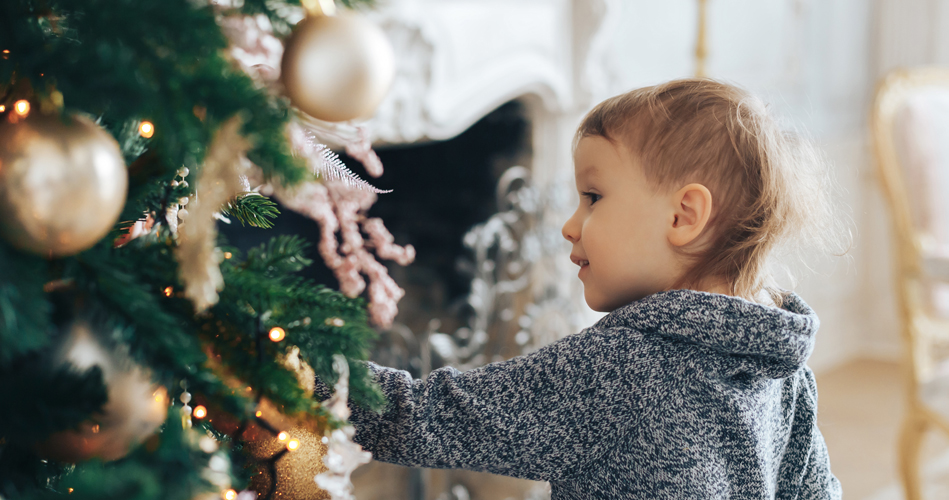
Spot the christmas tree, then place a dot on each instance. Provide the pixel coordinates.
(142, 357)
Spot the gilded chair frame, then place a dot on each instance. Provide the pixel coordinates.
(921, 330)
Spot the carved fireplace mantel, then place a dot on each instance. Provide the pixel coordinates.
(460, 59)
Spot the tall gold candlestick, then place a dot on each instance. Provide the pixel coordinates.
(701, 51)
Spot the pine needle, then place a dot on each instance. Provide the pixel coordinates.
(252, 209)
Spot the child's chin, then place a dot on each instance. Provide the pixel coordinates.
(598, 305)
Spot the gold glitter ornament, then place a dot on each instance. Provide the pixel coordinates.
(294, 470)
(299, 443)
(63, 183)
(136, 406)
(337, 68)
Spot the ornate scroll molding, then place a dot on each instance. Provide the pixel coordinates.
(510, 311)
(404, 116)
(459, 60)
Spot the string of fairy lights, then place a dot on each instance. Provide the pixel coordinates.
(22, 108)
(146, 129)
(200, 412)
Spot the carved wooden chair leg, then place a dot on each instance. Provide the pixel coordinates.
(911, 437)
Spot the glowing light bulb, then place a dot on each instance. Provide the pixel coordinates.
(293, 444)
(168, 291)
(258, 414)
(70, 489)
(146, 129)
(230, 495)
(277, 334)
(2, 108)
(22, 107)
(200, 411)
(228, 255)
(282, 436)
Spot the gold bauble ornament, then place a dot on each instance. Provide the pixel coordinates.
(295, 469)
(63, 183)
(337, 68)
(136, 406)
(298, 442)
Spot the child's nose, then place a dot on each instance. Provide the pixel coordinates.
(571, 229)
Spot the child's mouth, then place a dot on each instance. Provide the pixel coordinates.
(584, 264)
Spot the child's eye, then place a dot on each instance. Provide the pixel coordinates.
(593, 197)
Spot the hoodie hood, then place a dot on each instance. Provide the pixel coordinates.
(769, 341)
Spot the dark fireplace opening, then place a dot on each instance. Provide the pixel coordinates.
(440, 191)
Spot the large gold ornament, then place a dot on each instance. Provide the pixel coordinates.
(62, 183)
(299, 443)
(292, 474)
(337, 68)
(134, 410)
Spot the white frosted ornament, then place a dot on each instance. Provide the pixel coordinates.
(337, 68)
(63, 183)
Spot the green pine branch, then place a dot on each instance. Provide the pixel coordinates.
(252, 209)
(24, 308)
(263, 286)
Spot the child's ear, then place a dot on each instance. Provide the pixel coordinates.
(692, 208)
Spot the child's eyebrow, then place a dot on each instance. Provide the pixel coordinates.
(588, 171)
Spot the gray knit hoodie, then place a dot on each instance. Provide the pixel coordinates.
(680, 395)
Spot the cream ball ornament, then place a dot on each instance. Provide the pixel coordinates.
(337, 68)
(63, 183)
(136, 406)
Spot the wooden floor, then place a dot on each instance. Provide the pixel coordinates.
(860, 408)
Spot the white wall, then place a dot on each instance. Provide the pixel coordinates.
(815, 62)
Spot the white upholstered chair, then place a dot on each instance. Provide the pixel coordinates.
(910, 125)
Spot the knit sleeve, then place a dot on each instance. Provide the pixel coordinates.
(817, 480)
(546, 415)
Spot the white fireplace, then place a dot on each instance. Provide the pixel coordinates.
(457, 60)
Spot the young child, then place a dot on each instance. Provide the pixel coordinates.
(695, 384)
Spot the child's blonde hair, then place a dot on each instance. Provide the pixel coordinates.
(766, 185)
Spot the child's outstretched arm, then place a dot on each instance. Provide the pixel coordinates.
(549, 414)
